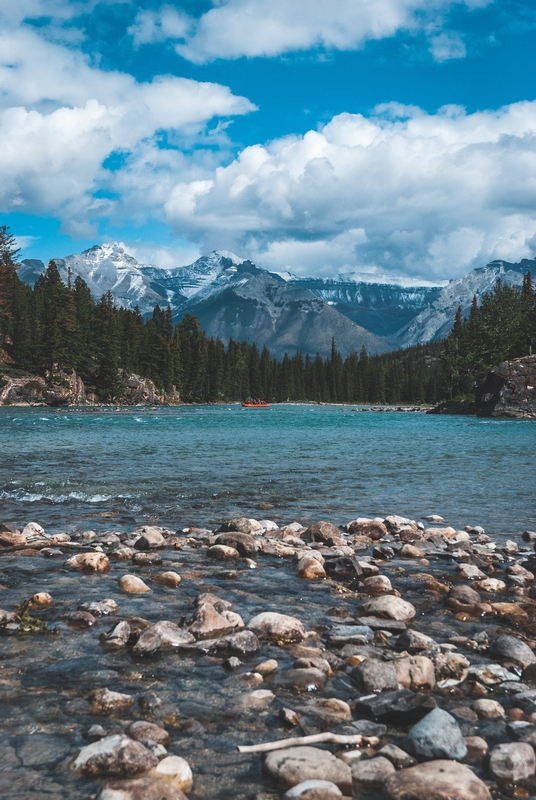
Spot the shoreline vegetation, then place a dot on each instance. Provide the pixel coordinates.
(405, 649)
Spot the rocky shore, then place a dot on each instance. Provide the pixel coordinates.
(383, 658)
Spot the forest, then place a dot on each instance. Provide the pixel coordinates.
(55, 326)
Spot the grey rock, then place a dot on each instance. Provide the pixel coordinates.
(100, 608)
(294, 765)
(116, 755)
(243, 542)
(118, 636)
(512, 762)
(327, 788)
(436, 736)
(436, 780)
(401, 706)
(412, 641)
(374, 675)
(372, 772)
(41, 749)
(350, 634)
(512, 649)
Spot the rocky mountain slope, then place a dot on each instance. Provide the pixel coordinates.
(233, 297)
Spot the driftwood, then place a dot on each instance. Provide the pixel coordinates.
(316, 738)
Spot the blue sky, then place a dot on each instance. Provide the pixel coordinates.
(392, 138)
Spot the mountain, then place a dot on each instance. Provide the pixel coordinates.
(258, 306)
(435, 321)
(229, 295)
(381, 308)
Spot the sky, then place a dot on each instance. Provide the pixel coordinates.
(394, 139)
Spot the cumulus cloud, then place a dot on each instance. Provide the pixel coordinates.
(61, 117)
(236, 28)
(425, 195)
(447, 45)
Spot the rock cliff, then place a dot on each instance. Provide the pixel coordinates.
(509, 390)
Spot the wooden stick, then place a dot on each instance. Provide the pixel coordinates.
(316, 738)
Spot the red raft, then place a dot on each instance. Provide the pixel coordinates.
(255, 404)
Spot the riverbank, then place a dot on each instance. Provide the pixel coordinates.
(166, 646)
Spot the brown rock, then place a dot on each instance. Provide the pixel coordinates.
(116, 755)
(310, 568)
(12, 539)
(243, 542)
(151, 539)
(272, 625)
(171, 579)
(321, 532)
(103, 701)
(209, 623)
(294, 765)
(89, 562)
(390, 607)
(377, 584)
(372, 773)
(373, 529)
(140, 789)
(142, 731)
(436, 780)
(415, 672)
(131, 584)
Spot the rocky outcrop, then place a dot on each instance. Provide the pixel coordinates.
(58, 388)
(509, 390)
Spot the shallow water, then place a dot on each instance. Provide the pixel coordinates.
(196, 465)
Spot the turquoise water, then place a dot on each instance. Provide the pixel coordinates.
(197, 465)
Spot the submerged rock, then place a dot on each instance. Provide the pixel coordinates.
(114, 755)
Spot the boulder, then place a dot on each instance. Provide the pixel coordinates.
(89, 562)
(450, 669)
(170, 579)
(377, 584)
(12, 539)
(100, 608)
(372, 528)
(321, 532)
(374, 675)
(131, 584)
(279, 627)
(292, 766)
(220, 552)
(241, 525)
(389, 606)
(310, 568)
(488, 709)
(313, 790)
(512, 649)
(41, 600)
(103, 701)
(140, 789)
(142, 731)
(302, 680)
(372, 773)
(436, 736)
(401, 706)
(116, 755)
(512, 762)
(415, 672)
(118, 636)
(176, 771)
(209, 623)
(436, 780)
(151, 539)
(508, 390)
(243, 542)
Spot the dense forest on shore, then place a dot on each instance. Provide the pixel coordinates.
(53, 326)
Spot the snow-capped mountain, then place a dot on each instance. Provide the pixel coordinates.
(437, 319)
(379, 307)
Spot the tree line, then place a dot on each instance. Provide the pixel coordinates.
(56, 326)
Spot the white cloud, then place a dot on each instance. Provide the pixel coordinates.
(404, 192)
(236, 28)
(61, 117)
(447, 45)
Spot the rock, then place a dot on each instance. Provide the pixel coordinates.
(209, 623)
(41, 600)
(465, 595)
(450, 669)
(220, 552)
(33, 532)
(243, 542)
(415, 672)
(435, 518)
(436, 736)
(241, 644)
(377, 584)
(375, 676)
(171, 636)
(118, 636)
(488, 709)
(171, 579)
(507, 390)
(511, 610)
(116, 755)
(302, 680)
(142, 731)
(512, 649)
(372, 772)
(477, 749)
(413, 641)
(103, 701)
(396, 756)
(321, 532)
(89, 562)
(492, 585)
(492, 674)
(131, 584)
(403, 705)
(267, 667)
(12, 539)
(335, 707)
(149, 642)
(151, 539)
(512, 762)
(294, 765)
(372, 528)
(410, 551)
(80, 619)
(310, 568)
(389, 606)
(144, 559)
(436, 780)
(271, 625)
(259, 699)
(313, 790)
(470, 572)
(100, 608)
(241, 525)
(140, 789)
(176, 771)
(382, 624)
(232, 664)
(350, 634)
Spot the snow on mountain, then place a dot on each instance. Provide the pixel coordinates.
(181, 283)
(437, 319)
